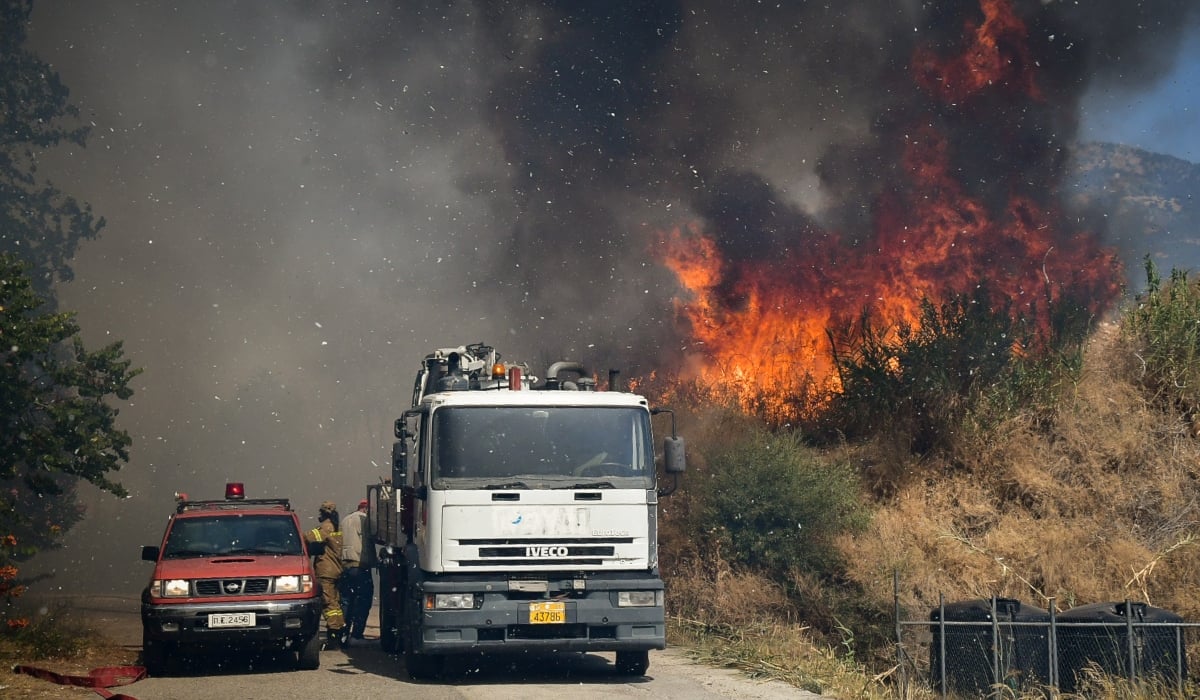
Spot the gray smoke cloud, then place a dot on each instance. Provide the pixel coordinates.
(305, 198)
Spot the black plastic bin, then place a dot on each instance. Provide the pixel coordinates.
(1017, 646)
(1100, 634)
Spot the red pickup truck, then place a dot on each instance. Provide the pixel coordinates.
(231, 575)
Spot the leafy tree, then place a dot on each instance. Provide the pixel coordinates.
(38, 223)
(56, 425)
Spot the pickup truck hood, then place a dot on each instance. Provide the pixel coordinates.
(232, 566)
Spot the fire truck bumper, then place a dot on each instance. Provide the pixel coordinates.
(592, 623)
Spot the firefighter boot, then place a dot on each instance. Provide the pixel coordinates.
(333, 639)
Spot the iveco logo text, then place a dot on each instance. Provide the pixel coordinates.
(545, 551)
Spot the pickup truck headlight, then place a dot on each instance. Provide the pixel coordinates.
(293, 584)
(170, 588)
(639, 599)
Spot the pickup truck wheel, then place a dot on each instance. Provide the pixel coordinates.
(308, 658)
(154, 656)
(633, 663)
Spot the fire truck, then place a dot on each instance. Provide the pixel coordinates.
(521, 516)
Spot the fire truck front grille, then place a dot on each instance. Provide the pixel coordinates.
(233, 586)
(541, 552)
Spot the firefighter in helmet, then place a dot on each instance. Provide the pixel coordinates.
(328, 566)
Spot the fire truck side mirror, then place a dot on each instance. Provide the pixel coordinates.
(674, 455)
(149, 553)
(399, 429)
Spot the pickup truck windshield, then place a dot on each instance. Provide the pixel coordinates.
(534, 447)
(232, 535)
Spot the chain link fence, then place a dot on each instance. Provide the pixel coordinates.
(999, 647)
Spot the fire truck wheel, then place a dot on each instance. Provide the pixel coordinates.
(308, 657)
(389, 640)
(424, 666)
(633, 663)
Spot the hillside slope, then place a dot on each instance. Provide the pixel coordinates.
(1099, 501)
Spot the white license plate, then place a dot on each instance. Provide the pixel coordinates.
(231, 620)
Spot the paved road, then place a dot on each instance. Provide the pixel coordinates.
(365, 671)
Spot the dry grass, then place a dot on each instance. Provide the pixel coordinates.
(740, 620)
(97, 652)
(1099, 500)
(1104, 506)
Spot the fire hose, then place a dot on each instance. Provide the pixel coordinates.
(99, 679)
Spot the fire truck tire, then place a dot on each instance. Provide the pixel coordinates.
(308, 657)
(389, 639)
(633, 663)
(423, 667)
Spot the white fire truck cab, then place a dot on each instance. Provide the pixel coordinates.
(521, 517)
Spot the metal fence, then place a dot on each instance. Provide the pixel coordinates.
(998, 646)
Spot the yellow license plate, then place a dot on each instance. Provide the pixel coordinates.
(547, 613)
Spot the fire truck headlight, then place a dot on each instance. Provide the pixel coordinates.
(639, 599)
(287, 584)
(174, 588)
(451, 601)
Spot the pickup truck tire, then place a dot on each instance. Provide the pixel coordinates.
(633, 663)
(308, 657)
(154, 656)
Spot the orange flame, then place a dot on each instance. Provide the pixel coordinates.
(997, 55)
(758, 329)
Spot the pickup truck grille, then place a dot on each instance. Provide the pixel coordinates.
(233, 586)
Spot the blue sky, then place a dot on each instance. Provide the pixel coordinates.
(1164, 117)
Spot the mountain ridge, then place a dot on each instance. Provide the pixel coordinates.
(1140, 202)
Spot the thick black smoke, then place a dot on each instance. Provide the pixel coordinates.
(304, 198)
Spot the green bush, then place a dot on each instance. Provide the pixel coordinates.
(1164, 323)
(774, 504)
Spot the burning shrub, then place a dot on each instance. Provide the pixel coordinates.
(920, 380)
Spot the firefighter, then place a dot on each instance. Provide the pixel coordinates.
(358, 556)
(328, 566)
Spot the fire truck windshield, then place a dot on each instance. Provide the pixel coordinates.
(542, 447)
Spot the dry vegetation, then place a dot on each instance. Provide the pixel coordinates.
(1104, 507)
(62, 641)
(1095, 498)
